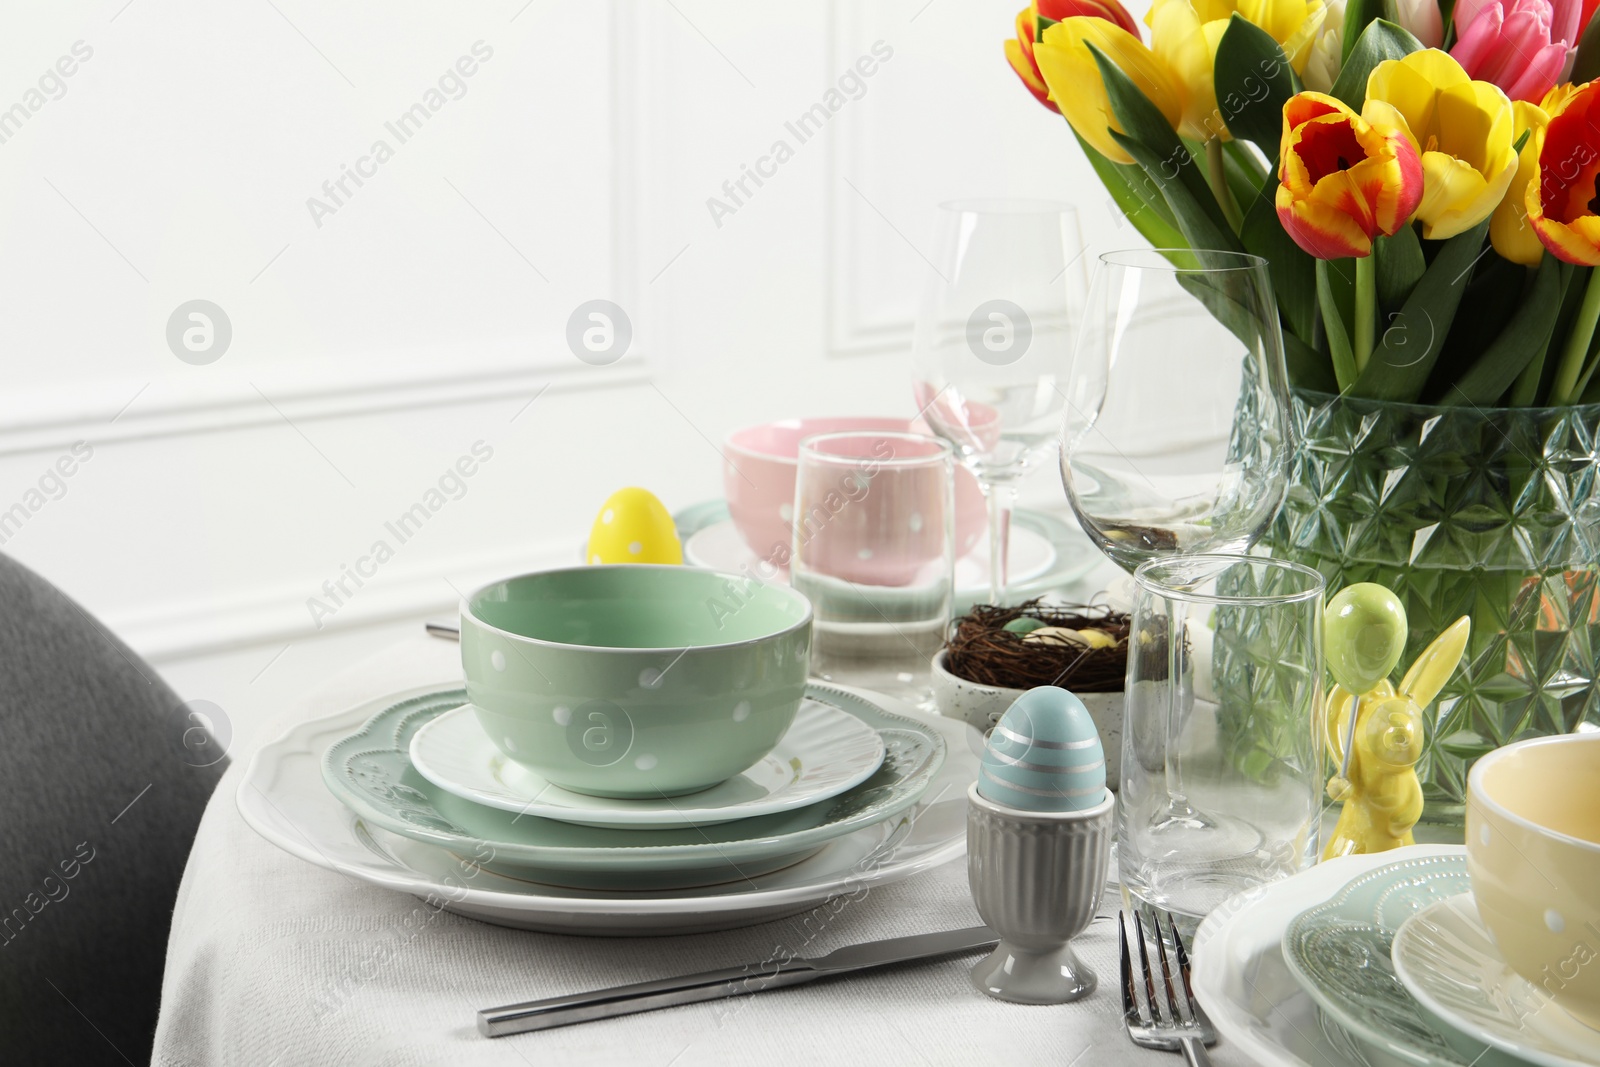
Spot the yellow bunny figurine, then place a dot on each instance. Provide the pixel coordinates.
(1375, 731)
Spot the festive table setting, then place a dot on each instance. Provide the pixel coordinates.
(1279, 744)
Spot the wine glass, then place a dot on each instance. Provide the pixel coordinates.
(1176, 434)
(994, 342)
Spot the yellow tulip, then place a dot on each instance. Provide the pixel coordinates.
(1184, 35)
(1509, 231)
(1069, 69)
(1461, 128)
(1294, 24)
(1188, 47)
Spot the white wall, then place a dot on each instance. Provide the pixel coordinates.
(374, 345)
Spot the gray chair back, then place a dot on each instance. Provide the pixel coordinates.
(103, 777)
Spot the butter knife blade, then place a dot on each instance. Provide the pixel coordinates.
(728, 982)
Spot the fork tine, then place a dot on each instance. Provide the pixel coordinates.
(1130, 996)
(1144, 965)
(1166, 969)
(1195, 1011)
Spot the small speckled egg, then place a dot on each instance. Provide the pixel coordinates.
(1044, 755)
(633, 527)
(1024, 624)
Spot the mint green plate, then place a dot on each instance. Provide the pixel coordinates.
(371, 773)
(1339, 952)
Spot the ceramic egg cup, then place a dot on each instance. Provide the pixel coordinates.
(1036, 878)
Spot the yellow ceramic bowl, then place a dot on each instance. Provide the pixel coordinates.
(1533, 854)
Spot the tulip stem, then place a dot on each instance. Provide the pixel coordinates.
(1366, 311)
(1219, 184)
(1577, 350)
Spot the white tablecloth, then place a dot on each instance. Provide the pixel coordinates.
(274, 961)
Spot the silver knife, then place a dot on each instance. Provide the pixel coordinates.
(449, 631)
(728, 982)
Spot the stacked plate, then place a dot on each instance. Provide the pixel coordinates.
(413, 796)
(1047, 554)
(1376, 960)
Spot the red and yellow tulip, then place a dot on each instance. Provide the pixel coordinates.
(1343, 179)
(1073, 76)
(1019, 50)
(1561, 196)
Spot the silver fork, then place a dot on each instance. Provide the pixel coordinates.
(1187, 1030)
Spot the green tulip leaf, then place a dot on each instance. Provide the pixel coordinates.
(1156, 147)
(1294, 276)
(1400, 266)
(1136, 197)
(1411, 340)
(1380, 40)
(1308, 368)
(1497, 290)
(1245, 176)
(1253, 81)
(1344, 360)
(1358, 15)
(1525, 336)
(1587, 66)
(1248, 162)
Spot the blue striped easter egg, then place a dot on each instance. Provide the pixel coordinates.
(1044, 755)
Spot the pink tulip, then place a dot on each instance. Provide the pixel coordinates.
(1523, 46)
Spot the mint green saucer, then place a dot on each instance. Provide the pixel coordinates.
(1339, 952)
(371, 773)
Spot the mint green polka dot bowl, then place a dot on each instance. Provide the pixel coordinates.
(635, 680)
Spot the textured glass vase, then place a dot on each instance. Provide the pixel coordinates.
(1490, 513)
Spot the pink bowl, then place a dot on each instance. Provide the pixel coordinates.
(759, 480)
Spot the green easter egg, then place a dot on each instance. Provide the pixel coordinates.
(1365, 635)
(1024, 624)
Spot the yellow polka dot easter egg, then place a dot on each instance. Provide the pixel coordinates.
(634, 527)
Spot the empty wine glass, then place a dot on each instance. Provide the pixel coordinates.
(994, 342)
(1176, 433)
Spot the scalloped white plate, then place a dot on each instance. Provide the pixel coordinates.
(282, 797)
(370, 772)
(1245, 985)
(826, 751)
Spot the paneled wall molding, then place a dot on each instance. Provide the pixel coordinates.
(282, 615)
(51, 419)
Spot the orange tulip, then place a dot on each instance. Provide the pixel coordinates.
(1343, 179)
(1019, 50)
(1561, 195)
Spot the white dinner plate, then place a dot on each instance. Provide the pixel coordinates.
(826, 751)
(1245, 985)
(1447, 961)
(283, 798)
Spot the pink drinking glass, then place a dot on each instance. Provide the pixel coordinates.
(874, 548)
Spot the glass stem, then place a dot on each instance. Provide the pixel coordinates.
(1002, 497)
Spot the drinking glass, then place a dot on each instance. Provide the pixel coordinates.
(994, 341)
(1176, 434)
(874, 550)
(1222, 739)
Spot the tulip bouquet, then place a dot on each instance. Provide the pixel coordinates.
(1420, 177)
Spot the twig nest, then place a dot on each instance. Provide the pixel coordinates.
(1044, 755)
